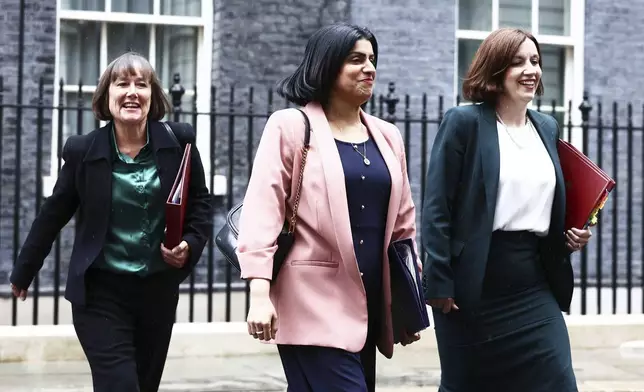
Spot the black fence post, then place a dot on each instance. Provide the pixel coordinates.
(585, 107)
(211, 247)
(39, 126)
(598, 232)
(391, 100)
(615, 206)
(177, 91)
(229, 187)
(629, 208)
(59, 165)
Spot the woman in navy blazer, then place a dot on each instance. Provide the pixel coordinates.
(496, 273)
(122, 282)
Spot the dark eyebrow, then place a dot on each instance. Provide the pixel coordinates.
(124, 78)
(361, 54)
(519, 57)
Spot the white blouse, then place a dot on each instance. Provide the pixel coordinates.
(526, 181)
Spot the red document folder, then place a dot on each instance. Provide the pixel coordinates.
(175, 205)
(586, 185)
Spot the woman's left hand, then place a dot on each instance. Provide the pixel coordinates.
(577, 239)
(176, 257)
(409, 339)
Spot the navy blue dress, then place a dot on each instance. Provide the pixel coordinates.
(323, 369)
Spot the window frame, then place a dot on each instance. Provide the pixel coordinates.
(204, 24)
(574, 53)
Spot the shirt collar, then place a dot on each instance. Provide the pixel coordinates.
(122, 156)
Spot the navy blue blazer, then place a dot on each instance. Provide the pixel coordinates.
(85, 185)
(460, 202)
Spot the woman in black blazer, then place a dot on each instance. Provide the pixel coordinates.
(496, 273)
(122, 282)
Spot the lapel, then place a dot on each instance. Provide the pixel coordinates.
(167, 155)
(489, 155)
(548, 136)
(386, 146)
(335, 182)
(336, 189)
(490, 158)
(98, 168)
(102, 153)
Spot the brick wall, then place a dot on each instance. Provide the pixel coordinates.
(39, 48)
(614, 46)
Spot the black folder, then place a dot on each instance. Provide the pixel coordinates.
(408, 309)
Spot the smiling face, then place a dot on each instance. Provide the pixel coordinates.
(129, 98)
(523, 75)
(357, 76)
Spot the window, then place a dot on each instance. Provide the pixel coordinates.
(175, 36)
(560, 36)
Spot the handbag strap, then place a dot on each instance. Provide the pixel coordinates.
(171, 132)
(305, 152)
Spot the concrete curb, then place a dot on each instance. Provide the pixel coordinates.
(220, 339)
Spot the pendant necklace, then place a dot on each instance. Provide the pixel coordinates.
(366, 160)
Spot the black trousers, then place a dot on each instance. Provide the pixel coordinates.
(125, 328)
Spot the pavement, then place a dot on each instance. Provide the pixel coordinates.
(608, 355)
(411, 370)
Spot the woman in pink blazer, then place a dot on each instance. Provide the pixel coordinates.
(331, 304)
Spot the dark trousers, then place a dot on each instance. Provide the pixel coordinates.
(125, 329)
(326, 369)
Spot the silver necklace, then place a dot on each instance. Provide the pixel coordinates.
(527, 122)
(366, 160)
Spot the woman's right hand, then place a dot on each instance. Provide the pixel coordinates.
(446, 305)
(262, 318)
(18, 293)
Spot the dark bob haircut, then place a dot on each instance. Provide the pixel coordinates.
(129, 64)
(324, 57)
(484, 80)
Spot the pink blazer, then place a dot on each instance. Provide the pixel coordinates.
(319, 296)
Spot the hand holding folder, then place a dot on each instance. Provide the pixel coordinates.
(408, 310)
(587, 186)
(175, 206)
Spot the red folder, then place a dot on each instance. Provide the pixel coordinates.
(587, 186)
(175, 205)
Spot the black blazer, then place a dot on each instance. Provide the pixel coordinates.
(85, 184)
(460, 202)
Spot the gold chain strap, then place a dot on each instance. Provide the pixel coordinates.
(293, 220)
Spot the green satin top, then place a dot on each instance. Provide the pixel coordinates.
(137, 218)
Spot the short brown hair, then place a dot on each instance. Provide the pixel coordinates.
(484, 79)
(129, 64)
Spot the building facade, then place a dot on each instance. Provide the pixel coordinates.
(425, 47)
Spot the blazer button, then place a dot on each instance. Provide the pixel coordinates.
(361, 242)
(362, 207)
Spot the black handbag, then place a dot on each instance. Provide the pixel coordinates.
(226, 239)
